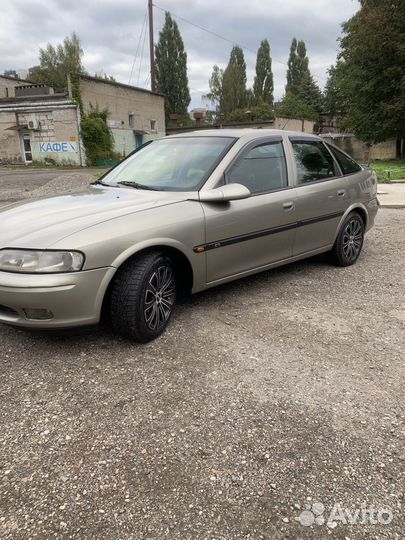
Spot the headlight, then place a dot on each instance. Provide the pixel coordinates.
(37, 262)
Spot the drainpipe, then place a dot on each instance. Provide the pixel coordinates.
(82, 156)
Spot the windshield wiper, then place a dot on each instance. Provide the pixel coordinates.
(101, 183)
(136, 185)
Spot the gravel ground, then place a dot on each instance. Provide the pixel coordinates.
(20, 184)
(264, 397)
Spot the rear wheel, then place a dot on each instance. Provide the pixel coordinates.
(349, 241)
(143, 297)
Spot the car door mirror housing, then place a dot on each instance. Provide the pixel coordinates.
(228, 192)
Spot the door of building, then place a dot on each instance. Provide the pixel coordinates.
(138, 139)
(26, 147)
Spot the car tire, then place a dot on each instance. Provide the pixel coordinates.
(143, 297)
(349, 242)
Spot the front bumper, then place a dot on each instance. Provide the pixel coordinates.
(73, 299)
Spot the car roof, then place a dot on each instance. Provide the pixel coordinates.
(245, 133)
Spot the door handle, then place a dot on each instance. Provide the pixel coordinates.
(289, 205)
(341, 192)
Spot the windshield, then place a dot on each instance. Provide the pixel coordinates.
(178, 164)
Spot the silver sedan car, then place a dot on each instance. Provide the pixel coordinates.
(182, 213)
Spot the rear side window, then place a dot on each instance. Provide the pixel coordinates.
(347, 164)
(313, 160)
(260, 169)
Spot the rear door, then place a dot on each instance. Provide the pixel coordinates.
(251, 233)
(322, 194)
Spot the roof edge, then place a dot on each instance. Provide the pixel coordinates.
(123, 85)
(16, 79)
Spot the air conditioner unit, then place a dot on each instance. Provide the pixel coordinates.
(33, 123)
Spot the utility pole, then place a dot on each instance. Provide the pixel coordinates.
(151, 48)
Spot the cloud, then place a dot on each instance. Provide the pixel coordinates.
(110, 31)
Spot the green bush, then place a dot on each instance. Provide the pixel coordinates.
(97, 137)
(260, 112)
(293, 107)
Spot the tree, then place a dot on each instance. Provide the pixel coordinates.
(171, 68)
(294, 107)
(293, 73)
(105, 77)
(262, 112)
(331, 95)
(310, 93)
(370, 73)
(57, 63)
(234, 82)
(215, 95)
(300, 82)
(263, 86)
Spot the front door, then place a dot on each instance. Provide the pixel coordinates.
(322, 195)
(247, 234)
(26, 147)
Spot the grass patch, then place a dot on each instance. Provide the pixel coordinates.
(389, 170)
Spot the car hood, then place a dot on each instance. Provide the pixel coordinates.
(42, 222)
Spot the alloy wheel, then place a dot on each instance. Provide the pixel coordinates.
(160, 296)
(352, 239)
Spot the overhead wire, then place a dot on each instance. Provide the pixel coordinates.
(140, 62)
(220, 36)
(137, 48)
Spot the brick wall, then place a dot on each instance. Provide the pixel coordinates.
(58, 124)
(360, 151)
(294, 124)
(122, 101)
(7, 86)
(290, 124)
(10, 146)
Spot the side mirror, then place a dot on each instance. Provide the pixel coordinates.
(229, 192)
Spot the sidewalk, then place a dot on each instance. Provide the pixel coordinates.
(391, 195)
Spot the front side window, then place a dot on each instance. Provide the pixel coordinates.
(313, 161)
(178, 164)
(261, 169)
(347, 164)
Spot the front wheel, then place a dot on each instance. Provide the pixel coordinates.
(143, 297)
(348, 244)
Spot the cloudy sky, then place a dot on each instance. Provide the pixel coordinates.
(110, 32)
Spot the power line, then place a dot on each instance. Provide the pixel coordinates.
(137, 48)
(146, 82)
(204, 29)
(140, 62)
(217, 35)
(224, 38)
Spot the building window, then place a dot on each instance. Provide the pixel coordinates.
(153, 125)
(131, 120)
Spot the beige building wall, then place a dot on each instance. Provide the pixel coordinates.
(55, 135)
(10, 144)
(290, 124)
(126, 105)
(294, 124)
(7, 85)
